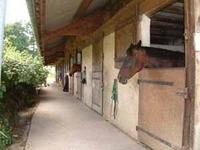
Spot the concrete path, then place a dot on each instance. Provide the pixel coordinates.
(62, 122)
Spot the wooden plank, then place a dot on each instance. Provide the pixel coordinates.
(97, 76)
(97, 56)
(167, 31)
(161, 109)
(174, 10)
(171, 19)
(190, 63)
(149, 7)
(166, 40)
(167, 26)
(166, 35)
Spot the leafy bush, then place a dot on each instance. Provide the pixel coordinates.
(21, 74)
(5, 129)
(21, 67)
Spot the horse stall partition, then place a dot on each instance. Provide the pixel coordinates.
(161, 108)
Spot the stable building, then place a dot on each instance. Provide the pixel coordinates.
(87, 41)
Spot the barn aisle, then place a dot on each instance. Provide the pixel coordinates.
(62, 122)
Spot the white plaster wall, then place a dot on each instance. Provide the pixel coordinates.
(87, 88)
(128, 95)
(196, 135)
(144, 30)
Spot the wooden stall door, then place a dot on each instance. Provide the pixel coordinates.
(161, 108)
(97, 74)
(71, 88)
(79, 86)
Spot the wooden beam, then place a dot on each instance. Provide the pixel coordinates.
(50, 60)
(52, 50)
(149, 7)
(167, 19)
(165, 40)
(79, 27)
(166, 26)
(174, 10)
(40, 18)
(82, 8)
(172, 33)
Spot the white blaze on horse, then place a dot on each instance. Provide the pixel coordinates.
(138, 57)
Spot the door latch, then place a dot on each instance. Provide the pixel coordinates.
(183, 93)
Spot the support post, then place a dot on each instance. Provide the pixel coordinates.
(2, 24)
(196, 136)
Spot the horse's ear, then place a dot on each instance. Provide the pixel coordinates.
(139, 44)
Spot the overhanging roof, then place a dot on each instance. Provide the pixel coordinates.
(54, 21)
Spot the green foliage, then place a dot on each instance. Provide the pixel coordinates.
(21, 67)
(22, 72)
(2, 90)
(5, 129)
(20, 36)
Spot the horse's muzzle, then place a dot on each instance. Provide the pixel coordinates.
(122, 80)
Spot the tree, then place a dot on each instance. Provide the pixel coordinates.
(21, 36)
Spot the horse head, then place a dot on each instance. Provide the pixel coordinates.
(75, 68)
(134, 62)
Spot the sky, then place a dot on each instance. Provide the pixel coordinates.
(16, 11)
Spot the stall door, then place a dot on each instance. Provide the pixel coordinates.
(78, 76)
(97, 73)
(71, 88)
(161, 108)
(79, 86)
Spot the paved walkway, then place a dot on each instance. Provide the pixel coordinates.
(62, 122)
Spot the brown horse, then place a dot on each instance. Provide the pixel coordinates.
(75, 68)
(138, 57)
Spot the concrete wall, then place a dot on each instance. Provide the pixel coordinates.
(128, 95)
(87, 88)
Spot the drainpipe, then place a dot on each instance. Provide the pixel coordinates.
(2, 24)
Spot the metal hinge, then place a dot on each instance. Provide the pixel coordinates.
(186, 34)
(183, 92)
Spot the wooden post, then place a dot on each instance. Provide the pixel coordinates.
(190, 75)
(196, 136)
